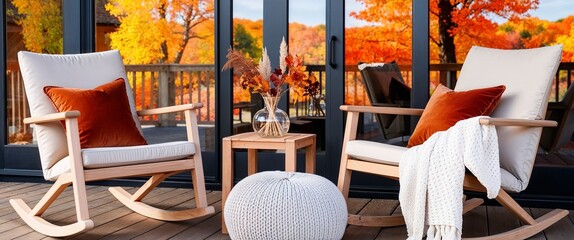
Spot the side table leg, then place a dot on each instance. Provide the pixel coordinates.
(251, 161)
(227, 178)
(290, 157)
(310, 157)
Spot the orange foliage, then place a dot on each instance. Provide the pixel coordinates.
(308, 41)
(389, 38)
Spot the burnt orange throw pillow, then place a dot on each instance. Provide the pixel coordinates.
(446, 107)
(105, 117)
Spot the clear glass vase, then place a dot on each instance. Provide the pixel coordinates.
(270, 121)
(317, 106)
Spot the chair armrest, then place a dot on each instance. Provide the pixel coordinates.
(170, 109)
(517, 122)
(383, 110)
(53, 117)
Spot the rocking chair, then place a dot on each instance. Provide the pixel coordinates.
(527, 75)
(65, 161)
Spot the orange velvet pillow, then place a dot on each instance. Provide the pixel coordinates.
(446, 107)
(105, 116)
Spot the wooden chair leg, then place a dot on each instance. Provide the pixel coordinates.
(199, 189)
(151, 183)
(33, 219)
(471, 204)
(344, 182)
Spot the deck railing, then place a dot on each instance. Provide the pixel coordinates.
(158, 85)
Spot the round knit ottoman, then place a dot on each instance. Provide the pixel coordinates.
(285, 205)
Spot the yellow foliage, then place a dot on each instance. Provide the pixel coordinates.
(153, 31)
(41, 22)
(568, 43)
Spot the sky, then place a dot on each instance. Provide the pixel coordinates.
(313, 12)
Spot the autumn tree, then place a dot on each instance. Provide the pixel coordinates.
(568, 42)
(157, 31)
(455, 24)
(244, 41)
(41, 22)
(308, 42)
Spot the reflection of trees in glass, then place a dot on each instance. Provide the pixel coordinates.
(568, 41)
(245, 42)
(456, 25)
(41, 22)
(308, 42)
(154, 31)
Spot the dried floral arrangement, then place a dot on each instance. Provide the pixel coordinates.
(260, 78)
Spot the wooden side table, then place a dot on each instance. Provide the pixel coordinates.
(252, 142)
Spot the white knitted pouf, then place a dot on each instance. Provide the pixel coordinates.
(285, 205)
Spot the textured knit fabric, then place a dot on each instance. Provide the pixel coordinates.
(285, 205)
(432, 175)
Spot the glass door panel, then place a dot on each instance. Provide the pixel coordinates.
(307, 34)
(248, 38)
(377, 32)
(172, 64)
(31, 25)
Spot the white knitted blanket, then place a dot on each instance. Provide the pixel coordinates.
(432, 174)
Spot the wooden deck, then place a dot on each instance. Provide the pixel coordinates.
(114, 221)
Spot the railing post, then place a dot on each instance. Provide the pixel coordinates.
(163, 95)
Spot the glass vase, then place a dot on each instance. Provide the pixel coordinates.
(317, 106)
(270, 121)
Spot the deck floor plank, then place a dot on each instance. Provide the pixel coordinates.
(64, 202)
(115, 221)
(147, 224)
(375, 207)
(15, 186)
(23, 192)
(9, 186)
(111, 227)
(562, 230)
(538, 236)
(138, 221)
(203, 230)
(10, 219)
(399, 232)
(166, 230)
(64, 207)
(31, 195)
(104, 221)
(218, 236)
(500, 220)
(475, 223)
(100, 206)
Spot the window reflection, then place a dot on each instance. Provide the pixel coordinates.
(31, 25)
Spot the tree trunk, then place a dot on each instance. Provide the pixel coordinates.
(164, 50)
(446, 40)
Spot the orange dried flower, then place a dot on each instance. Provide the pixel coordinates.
(292, 72)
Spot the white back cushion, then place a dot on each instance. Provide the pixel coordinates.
(84, 71)
(527, 75)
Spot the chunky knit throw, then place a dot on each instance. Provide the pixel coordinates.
(285, 205)
(432, 175)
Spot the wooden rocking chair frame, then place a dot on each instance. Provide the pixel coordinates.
(348, 164)
(159, 171)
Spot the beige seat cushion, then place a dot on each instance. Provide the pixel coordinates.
(391, 155)
(121, 156)
(375, 152)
